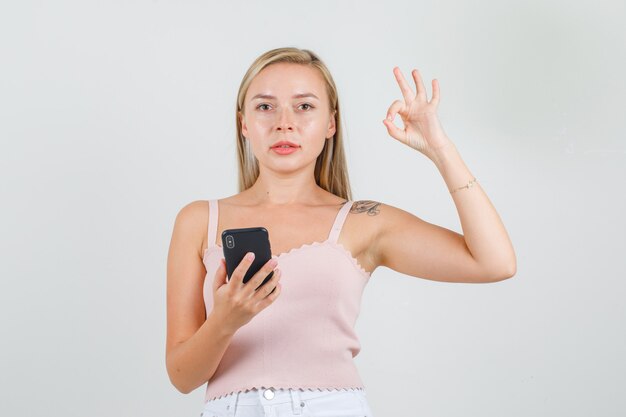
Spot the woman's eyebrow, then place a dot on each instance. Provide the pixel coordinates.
(271, 97)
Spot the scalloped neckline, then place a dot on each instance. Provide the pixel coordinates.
(355, 262)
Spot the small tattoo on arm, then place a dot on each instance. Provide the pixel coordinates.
(366, 206)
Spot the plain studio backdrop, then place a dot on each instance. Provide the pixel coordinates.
(115, 115)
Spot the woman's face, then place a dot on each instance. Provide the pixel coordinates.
(276, 110)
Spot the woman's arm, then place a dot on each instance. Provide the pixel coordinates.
(485, 236)
(195, 345)
(194, 361)
(410, 245)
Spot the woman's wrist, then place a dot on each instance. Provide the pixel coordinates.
(444, 154)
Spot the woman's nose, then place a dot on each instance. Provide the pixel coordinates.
(284, 120)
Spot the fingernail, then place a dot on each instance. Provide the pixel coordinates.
(250, 255)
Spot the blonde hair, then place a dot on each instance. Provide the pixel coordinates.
(331, 171)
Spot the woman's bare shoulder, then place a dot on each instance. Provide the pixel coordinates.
(370, 207)
(364, 216)
(194, 211)
(191, 222)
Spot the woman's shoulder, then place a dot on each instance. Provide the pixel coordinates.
(376, 217)
(199, 209)
(196, 213)
(382, 215)
(191, 222)
(193, 215)
(371, 207)
(364, 217)
(194, 210)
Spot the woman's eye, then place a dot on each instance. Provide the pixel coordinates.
(261, 106)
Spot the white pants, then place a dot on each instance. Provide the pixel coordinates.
(290, 402)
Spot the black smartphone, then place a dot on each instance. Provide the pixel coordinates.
(237, 242)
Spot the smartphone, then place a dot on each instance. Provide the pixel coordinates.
(237, 242)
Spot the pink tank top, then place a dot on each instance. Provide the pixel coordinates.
(305, 339)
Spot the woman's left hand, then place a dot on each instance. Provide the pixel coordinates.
(422, 129)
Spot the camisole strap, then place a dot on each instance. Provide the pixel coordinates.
(339, 220)
(212, 229)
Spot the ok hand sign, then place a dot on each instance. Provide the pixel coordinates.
(422, 129)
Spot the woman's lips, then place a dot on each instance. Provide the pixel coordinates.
(285, 151)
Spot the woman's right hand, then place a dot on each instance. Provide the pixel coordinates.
(237, 303)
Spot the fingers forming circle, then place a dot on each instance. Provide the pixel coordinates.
(393, 130)
(395, 107)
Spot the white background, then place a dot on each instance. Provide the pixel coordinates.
(114, 115)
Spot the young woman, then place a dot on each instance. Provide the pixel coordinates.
(290, 351)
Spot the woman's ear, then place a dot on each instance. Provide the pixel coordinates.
(332, 128)
(242, 120)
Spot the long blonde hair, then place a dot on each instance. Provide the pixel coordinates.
(331, 171)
